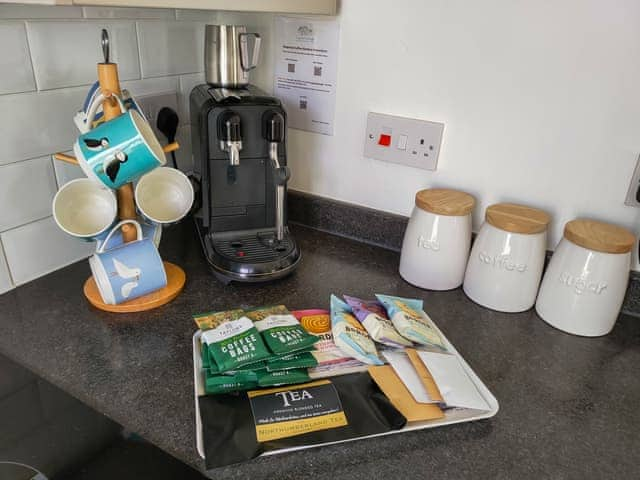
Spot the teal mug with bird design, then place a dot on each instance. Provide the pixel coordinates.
(129, 270)
(120, 150)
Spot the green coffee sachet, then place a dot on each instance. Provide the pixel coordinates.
(297, 360)
(204, 352)
(234, 344)
(281, 331)
(283, 377)
(230, 383)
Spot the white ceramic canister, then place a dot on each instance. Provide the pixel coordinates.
(507, 258)
(437, 240)
(585, 284)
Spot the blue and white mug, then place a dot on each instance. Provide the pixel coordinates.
(119, 151)
(149, 230)
(128, 271)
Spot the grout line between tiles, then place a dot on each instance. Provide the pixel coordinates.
(33, 66)
(6, 262)
(15, 227)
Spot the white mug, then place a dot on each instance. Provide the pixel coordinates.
(164, 196)
(84, 208)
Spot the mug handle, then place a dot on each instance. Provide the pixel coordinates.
(244, 55)
(115, 228)
(99, 100)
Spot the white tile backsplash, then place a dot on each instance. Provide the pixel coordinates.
(26, 191)
(5, 279)
(65, 53)
(37, 124)
(119, 12)
(171, 48)
(187, 82)
(65, 172)
(39, 11)
(148, 86)
(15, 63)
(39, 248)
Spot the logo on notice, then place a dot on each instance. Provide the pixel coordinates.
(293, 396)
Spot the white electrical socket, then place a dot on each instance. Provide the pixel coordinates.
(408, 141)
(634, 187)
(152, 104)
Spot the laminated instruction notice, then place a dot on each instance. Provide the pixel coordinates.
(306, 70)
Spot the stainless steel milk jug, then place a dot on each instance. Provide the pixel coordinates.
(226, 55)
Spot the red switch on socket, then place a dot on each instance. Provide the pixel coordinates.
(384, 140)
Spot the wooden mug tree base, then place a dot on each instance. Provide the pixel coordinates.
(175, 283)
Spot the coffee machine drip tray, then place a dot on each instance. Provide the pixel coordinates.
(250, 256)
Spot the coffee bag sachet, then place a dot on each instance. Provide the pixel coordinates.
(235, 343)
(280, 330)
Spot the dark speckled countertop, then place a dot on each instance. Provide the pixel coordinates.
(569, 406)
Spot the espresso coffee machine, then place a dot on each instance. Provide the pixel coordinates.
(239, 150)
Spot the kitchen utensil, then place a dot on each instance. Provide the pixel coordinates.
(164, 196)
(585, 283)
(506, 261)
(127, 271)
(119, 150)
(84, 208)
(436, 243)
(226, 55)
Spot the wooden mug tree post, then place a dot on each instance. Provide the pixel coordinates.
(110, 85)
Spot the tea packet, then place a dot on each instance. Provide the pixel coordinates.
(216, 384)
(350, 336)
(331, 360)
(280, 330)
(234, 344)
(411, 321)
(374, 319)
(283, 377)
(207, 321)
(287, 362)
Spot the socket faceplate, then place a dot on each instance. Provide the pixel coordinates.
(407, 141)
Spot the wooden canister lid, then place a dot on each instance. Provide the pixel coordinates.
(599, 236)
(517, 218)
(443, 201)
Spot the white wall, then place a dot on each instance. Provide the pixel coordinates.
(540, 103)
(48, 62)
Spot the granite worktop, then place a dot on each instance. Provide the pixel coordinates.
(568, 405)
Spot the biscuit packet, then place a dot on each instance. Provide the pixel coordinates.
(374, 319)
(411, 321)
(287, 362)
(280, 330)
(350, 336)
(234, 343)
(283, 377)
